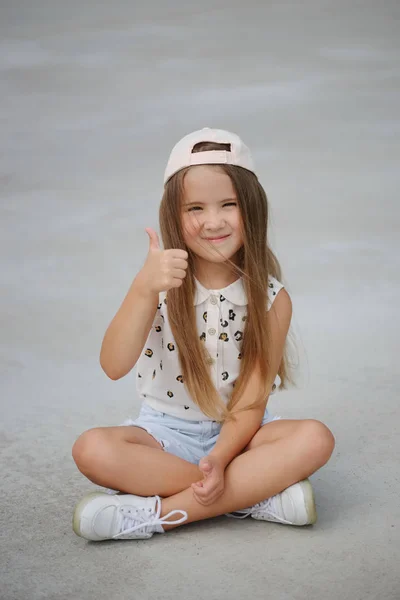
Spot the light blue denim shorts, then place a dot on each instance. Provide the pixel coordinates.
(190, 440)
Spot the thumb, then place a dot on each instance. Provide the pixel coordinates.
(153, 239)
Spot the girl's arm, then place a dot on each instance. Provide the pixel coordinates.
(127, 333)
(235, 435)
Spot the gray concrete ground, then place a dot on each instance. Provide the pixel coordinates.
(93, 96)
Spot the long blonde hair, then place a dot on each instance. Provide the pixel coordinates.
(255, 258)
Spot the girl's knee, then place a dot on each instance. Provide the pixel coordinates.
(320, 439)
(89, 447)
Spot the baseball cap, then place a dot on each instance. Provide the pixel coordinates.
(182, 156)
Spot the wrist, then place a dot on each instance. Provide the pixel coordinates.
(221, 458)
(142, 287)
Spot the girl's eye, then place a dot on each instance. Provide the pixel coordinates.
(226, 204)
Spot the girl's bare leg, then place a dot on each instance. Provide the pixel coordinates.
(130, 460)
(264, 470)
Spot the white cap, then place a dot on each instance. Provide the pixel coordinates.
(182, 156)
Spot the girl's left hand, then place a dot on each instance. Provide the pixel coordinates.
(211, 487)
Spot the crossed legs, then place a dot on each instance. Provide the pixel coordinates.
(129, 459)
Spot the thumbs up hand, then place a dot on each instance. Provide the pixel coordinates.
(163, 269)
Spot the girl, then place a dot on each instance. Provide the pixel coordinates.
(206, 320)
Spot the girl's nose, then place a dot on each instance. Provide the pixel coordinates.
(214, 222)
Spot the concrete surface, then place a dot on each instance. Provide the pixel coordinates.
(93, 96)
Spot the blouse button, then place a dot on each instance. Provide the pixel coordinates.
(213, 300)
(212, 331)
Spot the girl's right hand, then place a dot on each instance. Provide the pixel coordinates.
(163, 269)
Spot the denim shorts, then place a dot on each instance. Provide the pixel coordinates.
(190, 440)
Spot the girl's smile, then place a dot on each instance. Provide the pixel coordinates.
(216, 240)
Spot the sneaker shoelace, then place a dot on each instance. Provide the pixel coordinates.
(128, 518)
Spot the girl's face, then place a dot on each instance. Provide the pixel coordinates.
(210, 210)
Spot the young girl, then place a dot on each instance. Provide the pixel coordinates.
(206, 321)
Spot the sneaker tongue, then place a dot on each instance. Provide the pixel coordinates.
(141, 519)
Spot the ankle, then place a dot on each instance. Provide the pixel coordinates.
(166, 508)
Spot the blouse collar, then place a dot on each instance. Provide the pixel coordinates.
(234, 293)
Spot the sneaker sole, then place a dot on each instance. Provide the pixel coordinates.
(76, 519)
(309, 500)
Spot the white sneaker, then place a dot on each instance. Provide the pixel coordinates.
(293, 506)
(101, 516)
